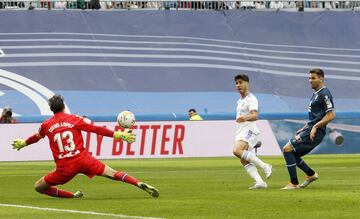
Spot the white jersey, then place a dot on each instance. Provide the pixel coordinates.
(246, 129)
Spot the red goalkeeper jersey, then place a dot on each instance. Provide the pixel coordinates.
(64, 133)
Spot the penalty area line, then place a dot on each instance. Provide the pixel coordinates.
(77, 212)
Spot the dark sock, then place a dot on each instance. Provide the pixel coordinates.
(304, 167)
(291, 166)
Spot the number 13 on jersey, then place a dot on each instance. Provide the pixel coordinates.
(68, 137)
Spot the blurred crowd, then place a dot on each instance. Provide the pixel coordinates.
(216, 5)
(7, 116)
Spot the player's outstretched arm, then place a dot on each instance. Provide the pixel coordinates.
(20, 143)
(126, 135)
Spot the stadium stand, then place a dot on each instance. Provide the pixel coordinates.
(182, 5)
(171, 65)
(108, 61)
(158, 59)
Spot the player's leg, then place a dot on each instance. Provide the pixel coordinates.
(92, 166)
(239, 149)
(290, 159)
(42, 187)
(311, 174)
(304, 167)
(124, 177)
(119, 176)
(242, 151)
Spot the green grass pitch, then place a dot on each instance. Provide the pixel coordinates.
(190, 188)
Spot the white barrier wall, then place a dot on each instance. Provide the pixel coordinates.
(154, 140)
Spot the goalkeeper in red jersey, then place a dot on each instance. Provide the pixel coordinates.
(66, 142)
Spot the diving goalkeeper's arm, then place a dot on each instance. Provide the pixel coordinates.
(126, 135)
(20, 143)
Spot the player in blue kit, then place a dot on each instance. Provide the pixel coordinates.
(321, 112)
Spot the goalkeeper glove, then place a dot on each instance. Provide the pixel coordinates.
(18, 144)
(126, 135)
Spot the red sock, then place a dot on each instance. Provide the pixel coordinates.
(53, 191)
(121, 176)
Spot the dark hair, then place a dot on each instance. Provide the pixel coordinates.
(242, 77)
(6, 115)
(192, 110)
(56, 103)
(7, 112)
(318, 72)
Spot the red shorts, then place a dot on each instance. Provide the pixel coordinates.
(65, 171)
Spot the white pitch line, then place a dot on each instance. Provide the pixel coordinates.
(77, 212)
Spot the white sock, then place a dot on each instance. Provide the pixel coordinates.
(253, 173)
(250, 157)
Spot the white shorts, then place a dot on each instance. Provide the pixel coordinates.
(248, 136)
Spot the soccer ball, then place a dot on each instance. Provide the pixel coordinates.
(126, 119)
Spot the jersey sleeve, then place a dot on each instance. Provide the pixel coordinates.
(42, 130)
(87, 125)
(328, 103)
(253, 104)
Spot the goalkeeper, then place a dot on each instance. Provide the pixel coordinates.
(64, 133)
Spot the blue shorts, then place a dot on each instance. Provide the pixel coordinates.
(305, 145)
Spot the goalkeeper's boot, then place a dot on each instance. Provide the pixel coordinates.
(268, 170)
(78, 194)
(149, 189)
(259, 185)
(290, 186)
(309, 180)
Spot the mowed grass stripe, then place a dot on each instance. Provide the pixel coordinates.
(194, 188)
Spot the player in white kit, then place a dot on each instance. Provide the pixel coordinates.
(247, 133)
